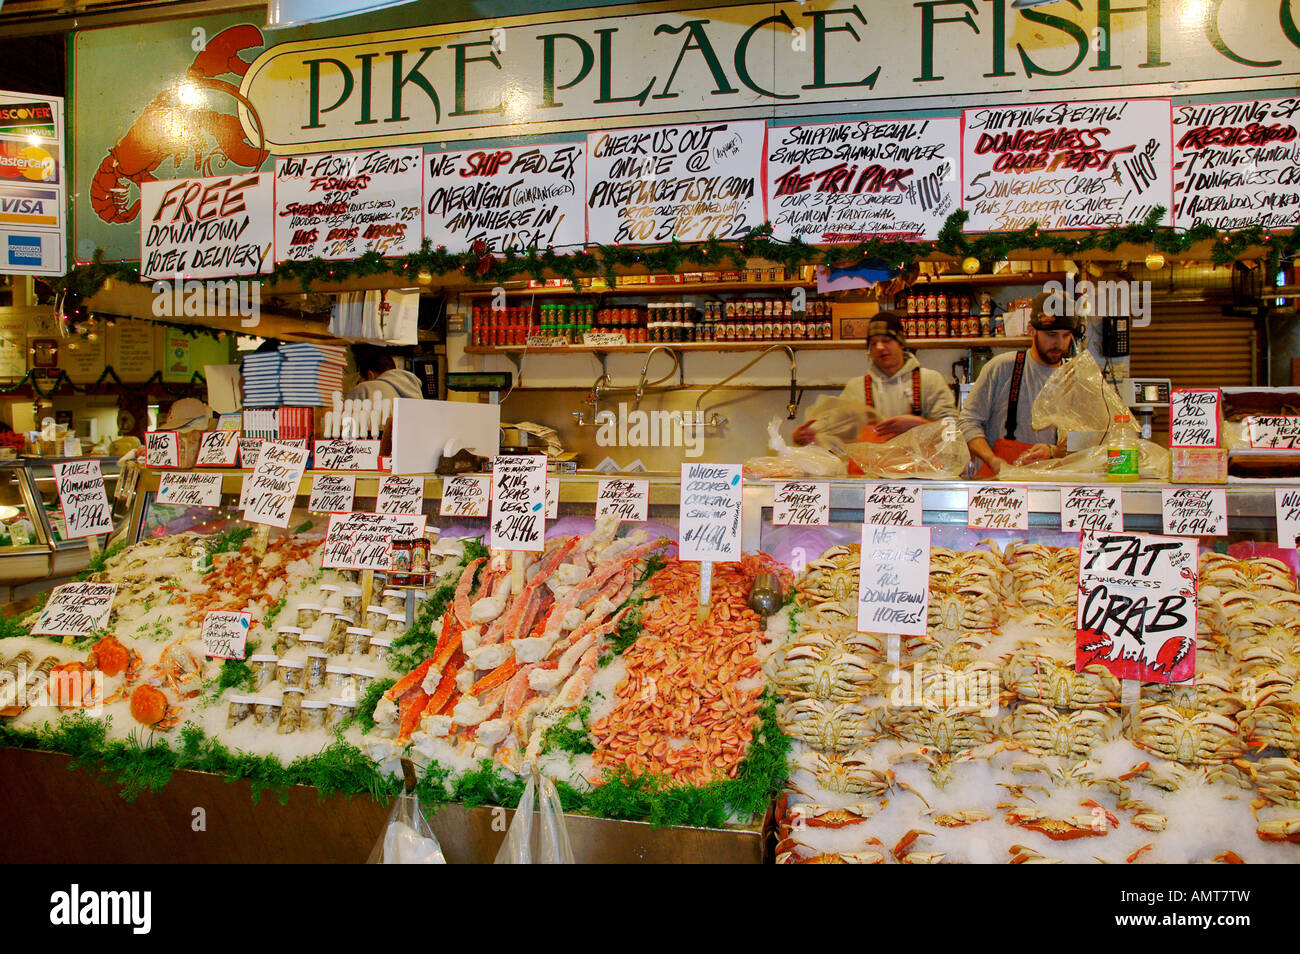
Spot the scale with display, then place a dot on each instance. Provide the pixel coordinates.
(491, 383)
(1144, 395)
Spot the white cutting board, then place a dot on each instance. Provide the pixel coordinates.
(421, 429)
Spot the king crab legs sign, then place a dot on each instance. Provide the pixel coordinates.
(1137, 606)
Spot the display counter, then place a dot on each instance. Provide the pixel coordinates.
(635, 719)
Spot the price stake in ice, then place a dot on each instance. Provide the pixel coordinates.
(224, 634)
(332, 493)
(1195, 512)
(892, 505)
(894, 580)
(190, 490)
(82, 498)
(465, 496)
(76, 609)
(218, 449)
(518, 517)
(273, 486)
(998, 507)
(801, 503)
(624, 499)
(1091, 508)
(1137, 606)
(710, 512)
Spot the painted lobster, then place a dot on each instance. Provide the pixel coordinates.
(171, 127)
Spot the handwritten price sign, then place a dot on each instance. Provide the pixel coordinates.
(162, 449)
(710, 512)
(272, 487)
(1194, 417)
(1137, 606)
(998, 507)
(332, 493)
(218, 449)
(1086, 509)
(518, 519)
(465, 496)
(801, 503)
(360, 541)
(76, 609)
(190, 490)
(1288, 517)
(1194, 512)
(894, 580)
(358, 454)
(400, 495)
(82, 499)
(892, 505)
(1274, 433)
(225, 634)
(624, 499)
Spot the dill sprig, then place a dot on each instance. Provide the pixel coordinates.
(364, 714)
(565, 736)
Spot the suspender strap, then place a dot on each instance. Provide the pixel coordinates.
(916, 391)
(1013, 400)
(866, 390)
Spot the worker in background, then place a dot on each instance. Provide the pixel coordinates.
(379, 372)
(900, 392)
(996, 419)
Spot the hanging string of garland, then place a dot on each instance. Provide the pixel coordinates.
(605, 260)
(62, 380)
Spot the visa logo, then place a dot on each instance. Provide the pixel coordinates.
(26, 206)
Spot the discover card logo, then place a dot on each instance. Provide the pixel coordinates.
(77, 907)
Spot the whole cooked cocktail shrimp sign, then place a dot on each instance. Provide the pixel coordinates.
(1137, 606)
(76, 609)
(894, 580)
(710, 512)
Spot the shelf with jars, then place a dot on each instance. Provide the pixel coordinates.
(953, 307)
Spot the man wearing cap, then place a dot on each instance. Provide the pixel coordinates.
(999, 408)
(896, 387)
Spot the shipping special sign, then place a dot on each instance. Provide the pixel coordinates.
(849, 182)
(1137, 606)
(1066, 165)
(688, 183)
(206, 228)
(342, 205)
(511, 198)
(1237, 164)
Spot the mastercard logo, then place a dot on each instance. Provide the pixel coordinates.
(30, 162)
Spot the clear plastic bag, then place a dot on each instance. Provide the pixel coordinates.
(538, 834)
(810, 461)
(933, 451)
(837, 417)
(408, 838)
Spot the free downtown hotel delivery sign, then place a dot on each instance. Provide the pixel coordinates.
(586, 68)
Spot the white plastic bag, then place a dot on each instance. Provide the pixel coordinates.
(839, 417)
(408, 838)
(537, 835)
(810, 461)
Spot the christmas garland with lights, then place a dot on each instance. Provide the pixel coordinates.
(593, 261)
(61, 380)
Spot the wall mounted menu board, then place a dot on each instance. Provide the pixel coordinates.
(521, 197)
(1065, 165)
(206, 228)
(1237, 164)
(344, 204)
(848, 182)
(685, 182)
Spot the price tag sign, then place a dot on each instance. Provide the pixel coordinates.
(552, 497)
(225, 634)
(603, 339)
(1194, 512)
(518, 502)
(1091, 508)
(892, 505)
(218, 449)
(998, 507)
(624, 499)
(76, 609)
(248, 449)
(1137, 606)
(272, 487)
(162, 449)
(1274, 433)
(894, 580)
(710, 512)
(360, 541)
(801, 503)
(360, 454)
(1288, 517)
(400, 495)
(332, 493)
(465, 496)
(83, 499)
(1194, 417)
(190, 489)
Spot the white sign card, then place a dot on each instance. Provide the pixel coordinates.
(83, 499)
(188, 489)
(894, 580)
(225, 634)
(1288, 517)
(801, 503)
(1064, 166)
(465, 495)
(1274, 433)
(218, 449)
(709, 528)
(689, 183)
(1194, 512)
(998, 507)
(892, 505)
(518, 520)
(1230, 158)
(248, 448)
(162, 449)
(1137, 606)
(1086, 509)
(210, 227)
(332, 493)
(552, 497)
(341, 205)
(854, 181)
(1194, 417)
(622, 498)
(76, 609)
(273, 485)
(400, 495)
(513, 197)
(352, 454)
(360, 541)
